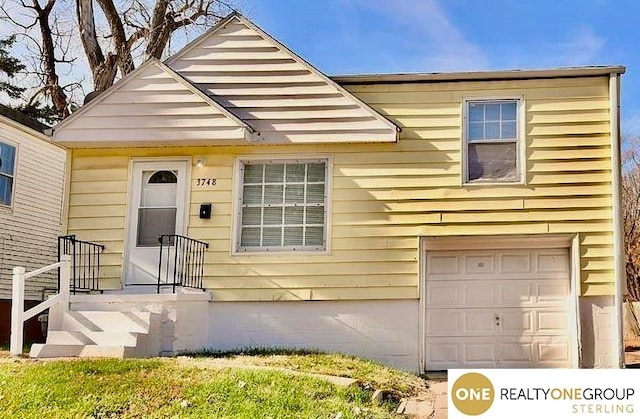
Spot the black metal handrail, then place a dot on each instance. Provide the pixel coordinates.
(181, 262)
(85, 263)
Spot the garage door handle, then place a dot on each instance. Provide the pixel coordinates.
(497, 320)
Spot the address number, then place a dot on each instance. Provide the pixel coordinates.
(206, 181)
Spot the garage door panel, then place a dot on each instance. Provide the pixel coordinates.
(497, 293)
(479, 294)
(456, 323)
(444, 353)
(479, 322)
(515, 293)
(443, 265)
(497, 308)
(513, 263)
(444, 323)
(516, 322)
(552, 264)
(557, 352)
(444, 294)
(479, 353)
(516, 352)
(479, 264)
(461, 294)
(552, 291)
(552, 322)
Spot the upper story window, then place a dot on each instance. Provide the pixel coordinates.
(7, 169)
(492, 141)
(283, 205)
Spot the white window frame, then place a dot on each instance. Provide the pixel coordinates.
(238, 250)
(13, 175)
(520, 140)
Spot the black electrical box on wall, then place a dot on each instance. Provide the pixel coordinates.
(205, 211)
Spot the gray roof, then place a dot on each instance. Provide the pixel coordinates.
(23, 119)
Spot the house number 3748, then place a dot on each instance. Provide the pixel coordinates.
(207, 181)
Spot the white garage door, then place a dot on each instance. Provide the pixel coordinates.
(497, 308)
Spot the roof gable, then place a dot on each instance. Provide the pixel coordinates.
(281, 96)
(152, 105)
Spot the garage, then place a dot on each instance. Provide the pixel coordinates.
(498, 308)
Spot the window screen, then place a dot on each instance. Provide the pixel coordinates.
(283, 206)
(492, 141)
(158, 207)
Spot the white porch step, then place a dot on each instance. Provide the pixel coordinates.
(102, 334)
(48, 350)
(107, 321)
(64, 337)
(87, 337)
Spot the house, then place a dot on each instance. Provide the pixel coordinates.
(428, 221)
(32, 171)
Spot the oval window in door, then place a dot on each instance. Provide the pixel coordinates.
(158, 207)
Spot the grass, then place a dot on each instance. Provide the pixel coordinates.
(157, 388)
(369, 374)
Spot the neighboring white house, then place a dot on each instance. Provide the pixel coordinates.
(32, 171)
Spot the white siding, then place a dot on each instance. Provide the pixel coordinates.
(29, 229)
(152, 106)
(280, 96)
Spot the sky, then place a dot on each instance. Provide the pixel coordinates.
(400, 36)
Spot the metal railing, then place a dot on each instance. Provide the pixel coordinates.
(85, 263)
(181, 262)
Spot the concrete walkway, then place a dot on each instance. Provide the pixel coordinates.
(429, 404)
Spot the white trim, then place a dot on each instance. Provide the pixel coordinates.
(619, 271)
(237, 193)
(533, 241)
(453, 243)
(524, 74)
(574, 303)
(130, 189)
(422, 304)
(520, 142)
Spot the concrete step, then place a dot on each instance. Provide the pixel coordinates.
(113, 338)
(102, 334)
(44, 350)
(107, 321)
(103, 351)
(48, 350)
(65, 337)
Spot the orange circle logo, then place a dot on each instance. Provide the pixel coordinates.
(472, 394)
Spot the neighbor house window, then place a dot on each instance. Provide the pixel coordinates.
(491, 141)
(283, 205)
(7, 169)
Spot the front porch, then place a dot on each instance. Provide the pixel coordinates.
(121, 325)
(163, 317)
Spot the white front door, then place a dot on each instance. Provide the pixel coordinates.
(158, 200)
(497, 308)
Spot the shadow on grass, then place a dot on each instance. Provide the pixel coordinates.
(253, 351)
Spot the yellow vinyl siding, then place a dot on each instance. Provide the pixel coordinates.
(386, 196)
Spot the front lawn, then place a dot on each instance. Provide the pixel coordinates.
(194, 387)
